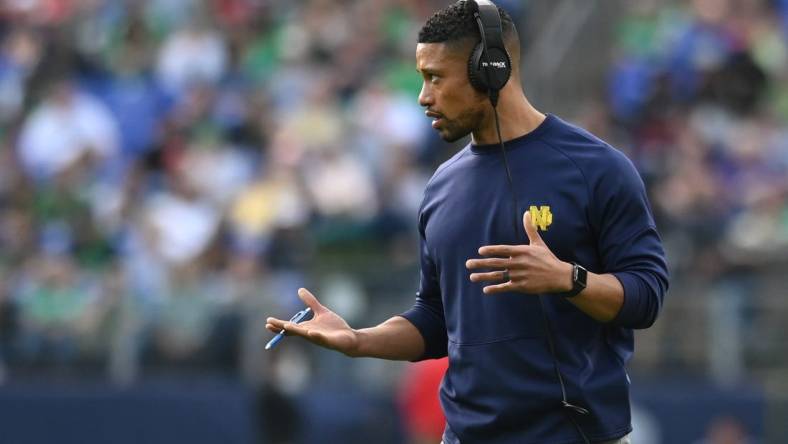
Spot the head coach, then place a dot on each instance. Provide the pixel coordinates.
(539, 255)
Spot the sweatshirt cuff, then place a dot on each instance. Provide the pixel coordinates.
(634, 312)
(432, 330)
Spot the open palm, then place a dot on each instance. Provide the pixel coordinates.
(326, 328)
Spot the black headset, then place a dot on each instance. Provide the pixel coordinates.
(489, 68)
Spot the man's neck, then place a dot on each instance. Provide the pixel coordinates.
(517, 118)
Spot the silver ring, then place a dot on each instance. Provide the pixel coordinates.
(506, 276)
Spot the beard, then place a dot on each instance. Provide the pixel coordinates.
(452, 130)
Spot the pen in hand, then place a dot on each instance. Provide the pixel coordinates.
(298, 317)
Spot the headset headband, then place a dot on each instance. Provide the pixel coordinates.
(491, 28)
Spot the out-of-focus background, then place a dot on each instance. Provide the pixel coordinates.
(171, 171)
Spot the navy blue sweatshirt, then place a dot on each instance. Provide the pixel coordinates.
(500, 386)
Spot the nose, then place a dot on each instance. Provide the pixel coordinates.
(425, 96)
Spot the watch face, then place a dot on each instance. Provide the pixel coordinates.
(581, 276)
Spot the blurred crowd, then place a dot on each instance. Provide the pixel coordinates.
(172, 170)
(698, 97)
(701, 92)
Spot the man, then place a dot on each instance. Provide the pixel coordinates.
(533, 356)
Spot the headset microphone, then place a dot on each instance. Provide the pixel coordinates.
(489, 69)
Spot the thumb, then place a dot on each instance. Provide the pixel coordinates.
(310, 300)
(531, 231)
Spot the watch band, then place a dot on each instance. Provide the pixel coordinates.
(579, 281)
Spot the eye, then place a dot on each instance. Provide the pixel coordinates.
(434, 78)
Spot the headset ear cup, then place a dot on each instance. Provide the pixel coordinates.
(499, 81)
(475, 70)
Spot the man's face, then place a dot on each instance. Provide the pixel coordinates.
(456, 107)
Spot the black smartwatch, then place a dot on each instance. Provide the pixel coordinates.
(579, 280)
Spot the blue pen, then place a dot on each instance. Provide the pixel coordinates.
(298, 317)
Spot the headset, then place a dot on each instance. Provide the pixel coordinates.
(489, 66)
(489, 69)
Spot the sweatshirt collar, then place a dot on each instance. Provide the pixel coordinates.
(517, 141)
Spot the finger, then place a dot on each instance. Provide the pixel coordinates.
(296, 329)
(499, 288)
(530, 230)
(277, 324)
(491, 276)
(276, 328)
(310, 300)
(500, 250)
(289, 327)
(473, 264)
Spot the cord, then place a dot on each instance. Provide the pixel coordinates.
(565, 404)
(493, 95)
(508, 174)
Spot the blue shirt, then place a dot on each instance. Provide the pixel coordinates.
(501, 386)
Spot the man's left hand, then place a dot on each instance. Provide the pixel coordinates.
(530, 268)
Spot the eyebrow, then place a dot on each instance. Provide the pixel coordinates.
(428, 71)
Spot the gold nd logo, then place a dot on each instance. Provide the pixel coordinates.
(541, 217)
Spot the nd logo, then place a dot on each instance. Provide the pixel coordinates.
(541, 217)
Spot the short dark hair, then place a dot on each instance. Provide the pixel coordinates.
(455, 22)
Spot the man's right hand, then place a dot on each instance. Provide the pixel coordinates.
(326, 328)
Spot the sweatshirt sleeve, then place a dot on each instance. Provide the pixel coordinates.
(628, 242)
(427, 313)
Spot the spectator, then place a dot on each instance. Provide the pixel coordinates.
(180, 223)
(68, 127)
(194, 54)
(59, 311)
